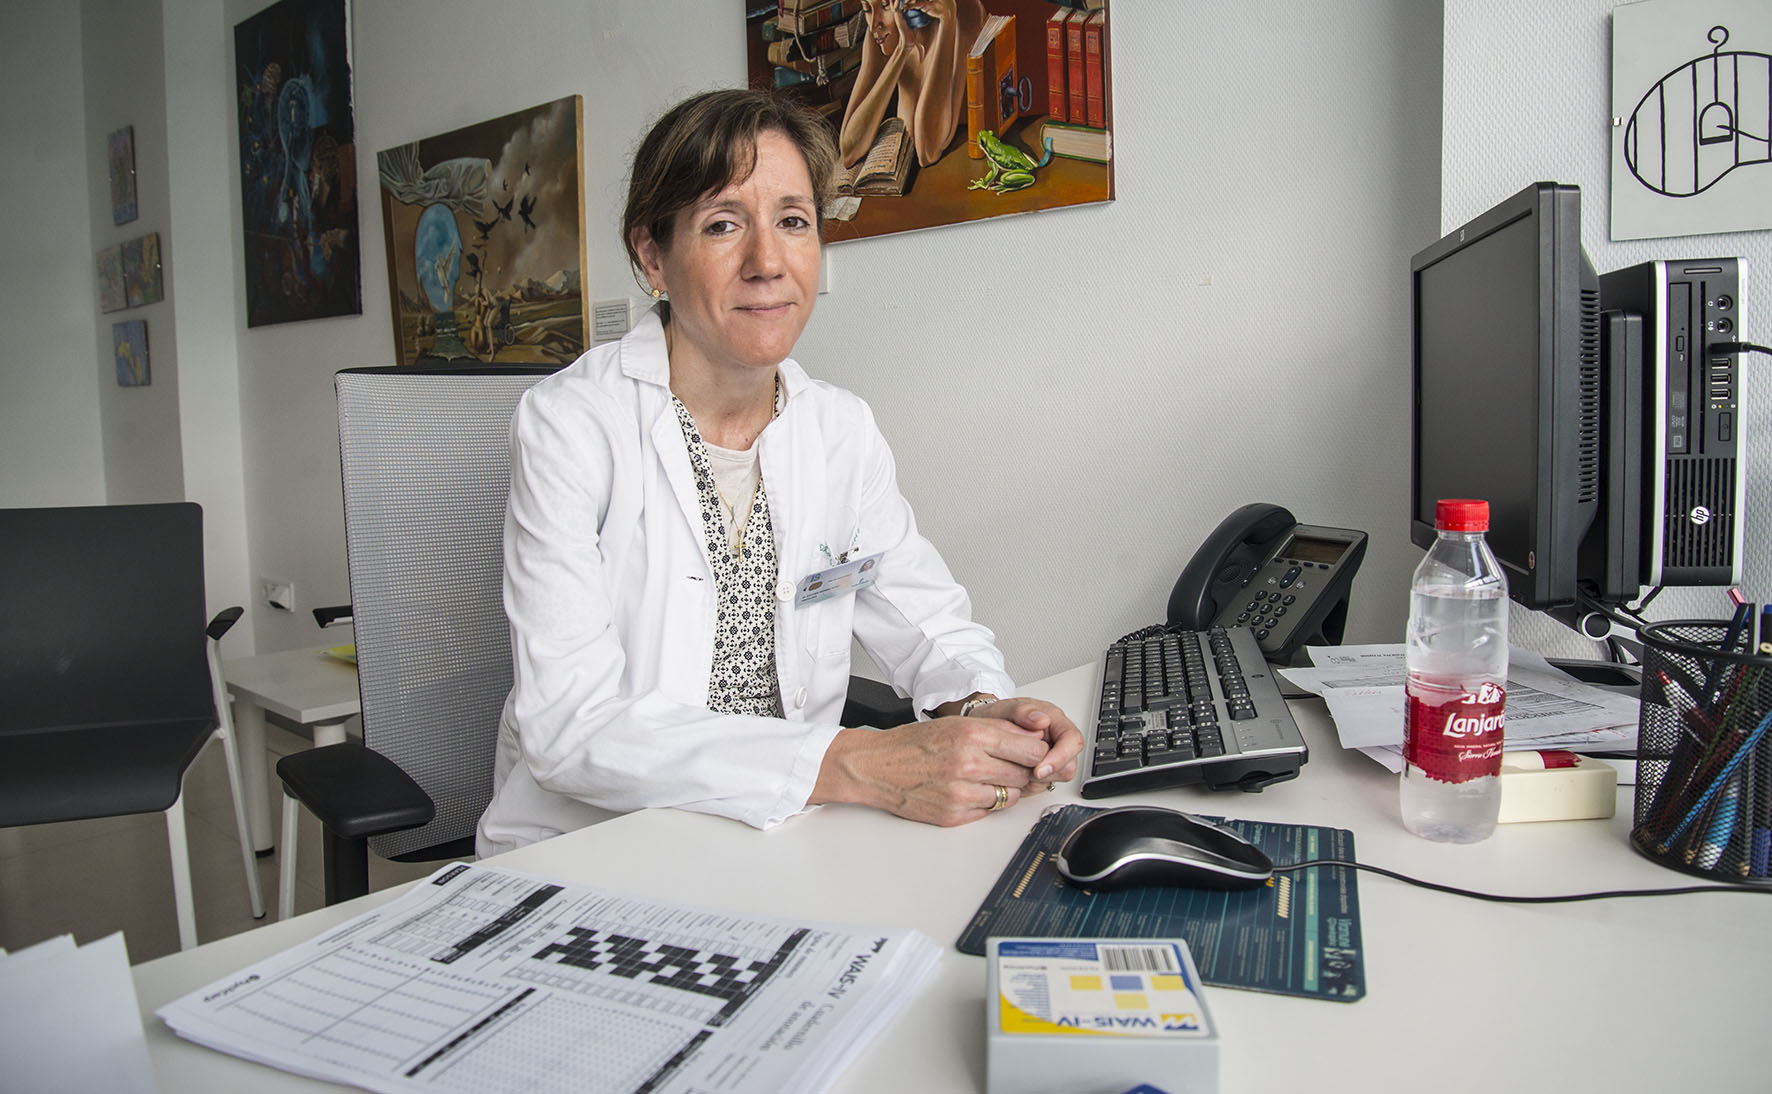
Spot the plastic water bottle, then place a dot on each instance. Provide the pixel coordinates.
(1457, 686)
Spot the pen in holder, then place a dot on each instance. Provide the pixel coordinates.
(1704, 752)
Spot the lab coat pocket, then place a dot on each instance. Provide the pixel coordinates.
(827, 627)
(823, 622)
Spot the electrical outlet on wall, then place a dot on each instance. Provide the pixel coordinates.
(278, 593)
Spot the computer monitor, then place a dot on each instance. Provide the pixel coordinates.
(1507, 386)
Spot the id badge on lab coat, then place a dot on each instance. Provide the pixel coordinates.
(840, 580)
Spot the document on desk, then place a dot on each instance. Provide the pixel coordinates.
(1546, 708)
(489, 980)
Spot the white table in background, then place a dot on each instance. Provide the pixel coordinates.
(305, 686)
(1650, 994)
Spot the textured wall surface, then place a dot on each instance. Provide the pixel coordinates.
(1527, 97)
(1075, 398)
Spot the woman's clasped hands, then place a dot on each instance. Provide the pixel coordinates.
(953, 769)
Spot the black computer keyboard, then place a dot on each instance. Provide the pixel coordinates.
(1190, 707)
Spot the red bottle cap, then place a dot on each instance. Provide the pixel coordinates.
(1461, 515)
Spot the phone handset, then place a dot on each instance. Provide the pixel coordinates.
(1229, 556)
(1287, 582)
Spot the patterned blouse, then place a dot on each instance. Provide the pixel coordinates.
(743, 680)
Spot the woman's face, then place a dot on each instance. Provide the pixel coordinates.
(882, 25)
(742, 269)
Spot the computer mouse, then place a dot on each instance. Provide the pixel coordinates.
(1150, 845)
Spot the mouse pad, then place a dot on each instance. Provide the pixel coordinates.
(1297, 935)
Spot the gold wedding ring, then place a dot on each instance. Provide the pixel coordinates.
(1002, 798)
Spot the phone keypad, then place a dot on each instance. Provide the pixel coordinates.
(1264, 611)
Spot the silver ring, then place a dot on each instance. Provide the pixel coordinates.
(1002, 798)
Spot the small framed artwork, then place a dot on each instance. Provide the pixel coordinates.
(298, 162)
(141, 270)
(1691, 154)
(121, 148)
(109, 265)
(485, 236)
(130, 338)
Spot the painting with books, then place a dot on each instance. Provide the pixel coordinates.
(946, 111)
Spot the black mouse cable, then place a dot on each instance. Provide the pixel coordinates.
(1563, 899)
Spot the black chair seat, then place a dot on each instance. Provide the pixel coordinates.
(355, 792)
(872, 703)
(66, 774)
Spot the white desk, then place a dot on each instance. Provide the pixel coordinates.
(1664, 993)
(305, 686)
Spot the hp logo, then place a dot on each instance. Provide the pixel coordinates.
(1700, 515)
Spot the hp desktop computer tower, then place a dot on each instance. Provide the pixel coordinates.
(1693, 447)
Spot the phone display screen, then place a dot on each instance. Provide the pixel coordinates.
(1308, 549)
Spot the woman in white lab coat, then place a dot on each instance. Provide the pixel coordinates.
(697, 529)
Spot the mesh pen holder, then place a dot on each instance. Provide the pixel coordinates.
(1704, 754)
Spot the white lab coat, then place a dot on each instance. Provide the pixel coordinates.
(612, 603)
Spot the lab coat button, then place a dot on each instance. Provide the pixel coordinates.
(784, 589)
(800, 699)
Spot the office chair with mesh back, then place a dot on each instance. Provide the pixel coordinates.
(425, 457)
(425, 460)
(110, 683)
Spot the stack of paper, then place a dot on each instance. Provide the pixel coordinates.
(71, 1019)
(489, 980)
(1546, 708)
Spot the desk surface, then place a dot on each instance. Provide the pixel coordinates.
(305, 686)
(1653, 993)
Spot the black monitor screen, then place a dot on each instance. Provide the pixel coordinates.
(1506, 386)
(1478, 405)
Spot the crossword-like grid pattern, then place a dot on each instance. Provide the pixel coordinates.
(510, 918)
(687, 969)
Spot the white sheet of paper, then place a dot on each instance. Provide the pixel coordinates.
(1546, 708)
(496, 982)
(72, 1020)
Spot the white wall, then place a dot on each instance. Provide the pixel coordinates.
(1528, 97)
(49, 418)
(125, 85)
(1233, 328)
(204, 291)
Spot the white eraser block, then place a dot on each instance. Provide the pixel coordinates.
(1096, 1016)
(1587, 790)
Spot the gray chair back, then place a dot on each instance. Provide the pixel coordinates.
(425, 456)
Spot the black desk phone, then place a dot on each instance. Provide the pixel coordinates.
(1195, 701)
(1261, 569)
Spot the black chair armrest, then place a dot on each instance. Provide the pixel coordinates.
(338, 613)
(354, 791)
(872, 703)
(224, 621)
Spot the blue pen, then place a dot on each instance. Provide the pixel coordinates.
(1759, 836)
(1728, 771)
(1716, 837)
